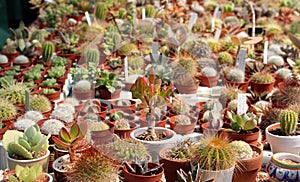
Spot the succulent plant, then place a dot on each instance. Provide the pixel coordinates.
(109, 81)
(273, 29)
(111, 42)
(186, 65)
(244, 122)
(91, 117)
(228, 45)
(209, 72)
(52, 126)
(59, 61)
(225, 58)
(28, 174)
(179, 106)
(22, 124)
(83, 85)
(37, 35)
(206, 62)
(7, 110)
(284, 73)
(149, 11)
(92, 54)
(21, 59)
(56, 72)
(3, 59)
(229, 94)
(295, 27)
(232, 105)
(182, 120)
(123, 102)
(33, 115)
(214, 44)
(122, 124)
(235, 75)
(243, 149)
(100, 11)
(213, 153)
(197, 48)
(288, 121)
(141, 167)
(98, 126)
(262, 77)
(276, 60)
(69, 107)
(47, 51)
(14, 93)
(136, 62)
(71, 100)
(27, 145)
(62, 114)
(40, 103)
(46, 91)
(127, 49)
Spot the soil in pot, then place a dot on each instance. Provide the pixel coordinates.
(130, 177)
(183, 129)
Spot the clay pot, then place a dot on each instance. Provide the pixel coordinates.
(240, 85)
(11, 56)
(5, 65)
(47, 177)
(161, 123)
(104, 136)
(22, 65)
(101, 114)
(105, 94)
(83, 95)
(182, 129)
(262, 87)
(247, 169)
(187, 89)
(129, 177)
(129, 113)
(251, 138)
(209, 81)
(51, 97)
(125, 133)
(172, 165)
(278, 80)
(131, 107)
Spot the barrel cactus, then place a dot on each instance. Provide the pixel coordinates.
(243, 149)
(21, 59)
(83, 85)
(92, 55)
(209, 72)
(122, 124)
(33, 115)
(236, 75)
(62, 114)
(40, 103)
(276, 60)
(225, 58)
(182, 120)
(47, 51)
(288, 122)
(14, 93)
(7, 110)
(22, 124)
(100, 11)
(98, 126)
(3, 59)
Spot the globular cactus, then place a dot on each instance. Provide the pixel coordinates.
(27, 145)
(98, 126)
(83, 85)
(273, 29)
(92, 55)
(7, 111)
(123, 102)
(149, 11)
(182, 120)
(122, 124)
(62, 114)
(71, 100)
(33, 115)
(91, 116)
(14, 93)
(52, 126)
(288, 121)
(69, 107)
(225, 58)
(21, 59)
(276, 60)
(209, 72)
(22, 124)
(187, 65)
(37, 35)
(262, 77)
(206, 62)
(284, 73)
(243, 149)
(126, 49)
(214, 44)
(236, 75)
(3, 59)
(136, 62)
(47, 51)
(233, 104)
(117, 115)
(179, 106)
(100, 12)
(40, 103)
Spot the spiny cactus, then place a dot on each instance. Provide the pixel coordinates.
(122, 124)
(27, 145)
(40, 103)
(186, 65)
(92, 55)
(21, 59)
(14, 93)
(295, 27)
(209, 72)
(232, 105)
(83, 85)
(52, 126)
(182, 120)
(98, 126)
(236, 75)
(7, 110)
(273, 29)
(214, 44)
(288, 121)
(100, 12)
(243, 149)
(225, 58)
(228, 45)
(262, 77)
(284, 73)
(47, 51)
(33, 115)
(206, 62)
(22, 124)
(62, 114)
(276, 60)
(91, 116)
(127, 48)
(179, 106)
(3, 59)
(149, 11)
(71, 100)
(123, 102)
(37, 35)
(136, 62)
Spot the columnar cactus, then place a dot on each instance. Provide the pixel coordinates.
(21, 59)
(47, 51)
(100, 11)
(92, 55)
(288, 121)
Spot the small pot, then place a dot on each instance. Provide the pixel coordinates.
(161, 123)
(129, 177)
(209, 81)
(240, 85)
(131, 107)
(125, 133)
(182, 129)
(51, 97)
(22, 65)
(187, 89)
(105, 94)
(60, 175)
(262, 87)
(13, 172)
(11, 56)
(104, 136)
(83, 95)
(250, 138)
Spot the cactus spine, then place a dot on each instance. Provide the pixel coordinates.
(40, 103)
(100, 11)
(92, 56)
(47, 51)
(288, 122)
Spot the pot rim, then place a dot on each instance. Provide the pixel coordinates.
(277, 125)
(64, 157)
(173, 134)
(30, 160)
(277, 158)
(162, 155)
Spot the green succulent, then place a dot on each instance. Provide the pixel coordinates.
(14, 93)
(244, 122)
(28, 174)
(243, 149)
(108, 80)
(288, 121)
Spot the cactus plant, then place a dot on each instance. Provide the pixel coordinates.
(213, 153)
(37, 35)
(273, 29)
(209, 72)
(71, 100)
(225, 58)
(52, 126)
(149, 11)
(33, 115)
(295, 27)
(100, 11)
(21, 59)
(98, 126)
(182, 120)
(7, 110)
(69, 107)
(214, 44)
(40, 103)
(179, 106)
(47, 51)
(109, 81)
(91, 117)
(111, 42)
(123, 102)
(122, 124)
(276, 60)
(62, 114)
(288, 122)
(22, 124)
(14, 93)
(127, 48)
(28, 174)
(142, 167)
(27, 145)
(186, 64)
(284, 73)
(83, 85)
(235, 75)
(92, 55)
(243, 149)
(262, 77)
(3, 59)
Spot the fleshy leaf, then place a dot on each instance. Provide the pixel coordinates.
(64, 135)
(74, 131)
(59, 143)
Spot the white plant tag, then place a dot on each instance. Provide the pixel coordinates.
(242, 59)
(155, 47)
(143, 14)
(266, 45)
(193, 19)
(88, 18)
(126, 67)
(214, 17)
(242, 104)
(218, 33)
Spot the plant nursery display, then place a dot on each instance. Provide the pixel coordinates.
(178, 90)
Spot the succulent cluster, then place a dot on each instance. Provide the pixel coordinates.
(52, 126)
(288, 122)
(244, 122)
(182, 120)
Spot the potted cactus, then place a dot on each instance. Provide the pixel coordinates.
(94, 106)
(281, 75)
(108, 85)
(178, 106)
(27, 148)
(283, 136)
(236, 77)
(209, 77)
(262, 82)
(123, 127)
(4, 61)
(101, 132)
(83, 90)
(22, 61)
(122, 104)
(10, 50)
(51, 93)
(40, 103)
(182, 124)
(47, 53)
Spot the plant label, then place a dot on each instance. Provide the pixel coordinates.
(218, 33)
(216, 15)
(155, 49)
(88, 18)
(126, 67)
(193, 19)
(27, 103)
(143, 14)
(266, 45)
(242, 104)
(242, 59)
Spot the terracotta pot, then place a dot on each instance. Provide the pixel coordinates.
(172, 165)
(83, 95)
(129, 177)
(251, 138)
(131, 107)
(101, 114)
(129, 113)
(22, 65)
(11, 56)
(278, 80)
(60, 175)
(241, 85)
(105, 94)
(262, 87)
(182, 129)
(104, 136)
(161, 123)
(187, 89)
(209, 81)
(51, 97)
(5, 65)
(247, 169)
(125, 133)
(48, 177)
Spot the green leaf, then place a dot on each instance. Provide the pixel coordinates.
(74, 131)
(250, 124)
(64, 134)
